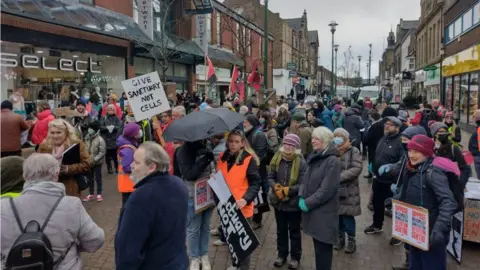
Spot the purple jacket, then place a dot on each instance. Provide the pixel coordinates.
(126, 153)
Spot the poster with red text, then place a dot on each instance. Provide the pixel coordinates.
(203, 195)
(410, 224)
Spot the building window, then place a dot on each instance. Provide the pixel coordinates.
(209, 28)
(457, 27)
(450, 32)
(219, 29)
(238, 37)
(467, 20)
(411, 64)
(476, 14)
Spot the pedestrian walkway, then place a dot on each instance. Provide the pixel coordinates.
(373, 251)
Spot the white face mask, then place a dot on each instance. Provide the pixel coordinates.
(91, 131)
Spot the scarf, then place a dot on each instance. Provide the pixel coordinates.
(295, 170)
(344, 147)
(57, 152)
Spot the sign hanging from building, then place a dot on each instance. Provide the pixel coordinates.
(201, 39)
(291, 66)
(145, 17)
(146, 96)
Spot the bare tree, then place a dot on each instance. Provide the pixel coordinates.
(167, 45)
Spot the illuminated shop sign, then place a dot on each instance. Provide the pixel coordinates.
(34, 61)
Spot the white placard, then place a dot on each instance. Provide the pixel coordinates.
(145, 17)
(146, 96)
(220, 187)
(201, 39)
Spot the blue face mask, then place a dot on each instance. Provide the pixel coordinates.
(262, 121)
(338, 140)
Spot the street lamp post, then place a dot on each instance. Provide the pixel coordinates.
(333, 28)
(265, 44)
(336, 50)
(359, 68)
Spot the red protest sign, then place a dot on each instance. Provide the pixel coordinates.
(410, 224)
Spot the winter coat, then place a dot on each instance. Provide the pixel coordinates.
(11, 125)
(68, 178)
(258, 141)
(69, 222)
(96, 148)
(473, 143)
(326, 117)
(126, 153)
(305, 135)
(218, 149)
(435, 191)
(320, 191)
(282, 124)
(282, 177)
(272, 137)
(110, 138)
(374, 134)
(152, 226)
(352, 122)
(454, 153)
(389, 150)
(349, 191)
(81, 124)
(40, 130)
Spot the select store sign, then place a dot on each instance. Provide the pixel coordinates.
(34, 61)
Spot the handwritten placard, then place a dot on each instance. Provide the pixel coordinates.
(146, 96)
(471, 229)
(410, 224)
(203, 195)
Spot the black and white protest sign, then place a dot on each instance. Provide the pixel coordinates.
(146, 96)
(240, 237)
(261, 202)
(454, 246)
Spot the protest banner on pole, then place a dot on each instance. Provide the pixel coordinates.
(410, 224)
(146, 96)
(261, 202)
(455, 243)
(203, 195)
(240, 237)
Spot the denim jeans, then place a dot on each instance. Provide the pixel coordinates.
(96, 174)
(346, 224)
(198, 230)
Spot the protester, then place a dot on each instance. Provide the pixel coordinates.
(474, 143)
(312, 121)
(61, 136)
(319, 197)
(389, 150)
(283, 120)
(152, 226)
(432, 193)
(112, 101)
(12, 125)
(12, 176)
(298, 126)
(127, 144)
(453, 129)
(80, 123)
(195, 162)
(324, 114)
(97, 149)
(123, 100)
(44, 117)
(110, 125)
(349, 191)
(353, 123)
(178, 112)
(287, 170)
(239, 167)
(70, 229)
(337, 116)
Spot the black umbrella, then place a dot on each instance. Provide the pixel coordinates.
(203, 124)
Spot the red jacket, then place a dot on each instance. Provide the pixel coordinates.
(40, 130)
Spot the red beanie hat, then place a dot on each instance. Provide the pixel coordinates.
(422, 144)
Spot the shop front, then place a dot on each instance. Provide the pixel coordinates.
(432, 81)
(461, 73)
(223, 82)
(420, 92)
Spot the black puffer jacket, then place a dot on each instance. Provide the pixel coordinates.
(353, 122)
(389, 150)
(432, 193)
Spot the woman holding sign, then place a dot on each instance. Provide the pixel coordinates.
(239, 166)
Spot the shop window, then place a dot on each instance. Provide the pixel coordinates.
(143, 65)
(160, 69)
(448, 93)
(180, 88)
(180, 70)
(464, 102)
(467, 20)
(474, 95)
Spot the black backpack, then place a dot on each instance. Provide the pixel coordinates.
(455, 186)
(32, 250)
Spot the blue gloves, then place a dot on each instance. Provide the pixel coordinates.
(384, 169)
(393, 187)
(302, 205)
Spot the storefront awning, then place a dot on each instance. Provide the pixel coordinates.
(96, 19)
(224, 56)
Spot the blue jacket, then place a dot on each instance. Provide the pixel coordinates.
(327, 119)
(152, 226)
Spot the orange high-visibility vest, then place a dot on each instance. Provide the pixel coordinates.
(237, 182)
(125, 184)
(478, 138)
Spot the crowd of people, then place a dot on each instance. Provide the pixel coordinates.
(308, 157)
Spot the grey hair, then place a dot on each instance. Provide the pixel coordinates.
(155, 154)
(324, 134)
(179, 109)
(111, 106)
(243, 109)
(342, 132)
(41, 167)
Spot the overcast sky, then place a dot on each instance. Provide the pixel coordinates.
(361, 22)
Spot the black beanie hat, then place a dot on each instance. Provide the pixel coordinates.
(389, 111)
(7, 104)
(253, 120)
(95, 125)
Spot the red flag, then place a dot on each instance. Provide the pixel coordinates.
(254, 77)
(211, 77)
(234, 83)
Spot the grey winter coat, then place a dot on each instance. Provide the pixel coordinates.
(96, 148)
(320, 191)
(349, 192)
(352, 122)
(282, 177)
(110, 138)
(70, 222)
